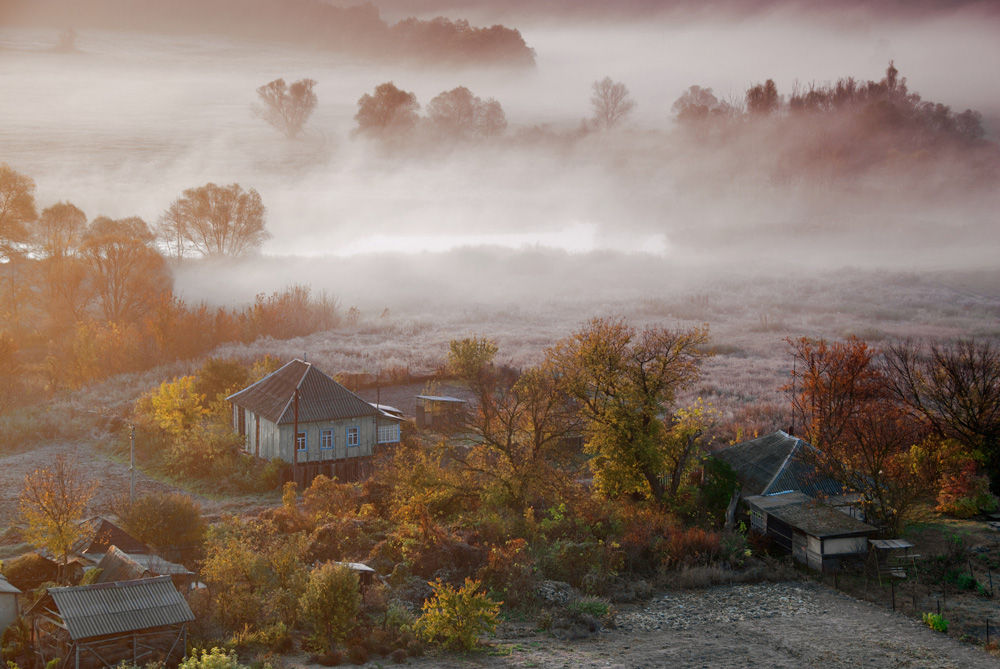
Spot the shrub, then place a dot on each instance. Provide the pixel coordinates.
(163, 519)
(455, 618)
(509, 573)
(330, 603)
(936, 622)
(591, 606)
(213, 659)
(690, 547)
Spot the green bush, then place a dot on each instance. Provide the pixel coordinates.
(330, 603)
(455, 618)
(936, 622)
(213, 659)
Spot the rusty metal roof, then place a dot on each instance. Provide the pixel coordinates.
(320, 397)
(809, 515)
(113, 608)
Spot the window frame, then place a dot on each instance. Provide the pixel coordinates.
(323, 434)
(353, 434)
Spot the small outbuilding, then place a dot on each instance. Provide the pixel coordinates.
(118, 565)
(816, 534)
(8, 603)
(439, 411)
(102, 625)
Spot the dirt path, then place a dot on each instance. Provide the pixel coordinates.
(112, 478)
(785, 625)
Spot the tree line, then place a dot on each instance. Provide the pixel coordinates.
(83, 300)
(356, 30)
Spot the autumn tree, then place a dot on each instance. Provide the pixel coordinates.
(285, 107)
(458, 113)
(863, 438)
(388, 112)
(520, 429)
(164, 520)
(51, 505)
(330, 603)
(611, 102)
(57, 231)
(470, 355)
(214, 221)
(17, 210)
(956, 389)
(763, 99)
(127, 272)
(625, 382)
(60, 274)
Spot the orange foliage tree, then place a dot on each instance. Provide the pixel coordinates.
(864, 439)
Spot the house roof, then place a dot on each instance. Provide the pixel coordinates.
(6, 588)
(777, 463)
(114, 608)
(117, 565)
(320, 397)
(807, 514)
(441, 398)
(99, 535)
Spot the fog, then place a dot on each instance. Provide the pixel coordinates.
(127, 123)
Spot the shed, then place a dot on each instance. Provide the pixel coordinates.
(8, 603)
(439, 411)
(335, 427)
(814, 533)
(102, 625)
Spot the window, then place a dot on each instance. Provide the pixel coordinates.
(352, 436)
(388, 434)
(326, 439)
(302, 441)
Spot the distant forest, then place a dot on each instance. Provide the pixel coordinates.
(355, 30)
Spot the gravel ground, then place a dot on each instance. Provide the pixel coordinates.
(791, 625)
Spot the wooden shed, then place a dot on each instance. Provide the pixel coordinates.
(814, 533)
(302, 416)
(439, 411)
(97, 626)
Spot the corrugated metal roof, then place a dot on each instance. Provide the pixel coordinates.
(774, 464)
(320, 397)
(113, 608)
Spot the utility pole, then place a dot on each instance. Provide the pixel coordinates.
(131, 468)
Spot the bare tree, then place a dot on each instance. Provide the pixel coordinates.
(286, 107)
(214, 221)
(611, 103)
(490, 118)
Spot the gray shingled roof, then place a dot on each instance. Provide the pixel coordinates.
(6, 587)
(776, 463)
(114, 608)
(320, 397)
(812, 517)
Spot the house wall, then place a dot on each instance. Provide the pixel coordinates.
(277, 441)
(8, 609)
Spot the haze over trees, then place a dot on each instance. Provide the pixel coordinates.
(388, 112)
(286, 107)
(214, 221)
(358, 30)
(611, 102)
(460, 114)
(17, 209)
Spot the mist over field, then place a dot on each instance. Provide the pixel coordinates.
(125, 124)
